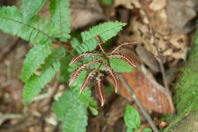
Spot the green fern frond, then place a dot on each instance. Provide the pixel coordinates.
(75, 43)
(35, 31)
(31, 8)
(105, 30)
(35, 57)
(36, 82)
(60, 18)
(64, 73)
(71, 111)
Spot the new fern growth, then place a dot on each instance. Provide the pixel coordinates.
(99, 66)
(44, 59)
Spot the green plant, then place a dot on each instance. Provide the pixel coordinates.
(132, 119)
(106, 2)
(45, 59)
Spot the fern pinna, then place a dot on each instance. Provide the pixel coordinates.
(44, 60)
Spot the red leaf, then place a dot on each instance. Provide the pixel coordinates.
(123, 44)
(84, 55)
(115, 79)
(99, 89)
(80, 69)
(87, 79)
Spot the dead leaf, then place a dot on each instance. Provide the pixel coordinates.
(152, 95)
(85, 12)
(157, 5)
(147, 58)
(180, 14)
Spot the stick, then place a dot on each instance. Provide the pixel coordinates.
(163, 73)
(142, 109)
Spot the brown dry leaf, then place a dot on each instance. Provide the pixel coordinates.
(150, 24)
(147, 58)
(151, 94)
(157, 5)
(180, 15)
(85, 12)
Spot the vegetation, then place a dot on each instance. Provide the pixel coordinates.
(45, 58)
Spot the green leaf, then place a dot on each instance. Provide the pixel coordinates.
(147, 130)
(107, 2)
(60, 18)
(64, 73)
(36, 31)
(88, 100)
(75, 43)
(131, 117)
(105, 30)
(31, 8)
(71, 111)
(120, 65)
(36, 82)
(35, 57)
(129, 129)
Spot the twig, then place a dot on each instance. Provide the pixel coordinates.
(142, 109)
(4, 117)
(51, 94)
(8, 49)
(163, 73)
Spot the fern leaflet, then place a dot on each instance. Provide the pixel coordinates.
(36, 82)
(60, 18)
(106, 31)
(35, 31)
(71, 111)
(35, 57)
(31, 8)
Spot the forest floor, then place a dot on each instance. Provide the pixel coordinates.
(165, 30)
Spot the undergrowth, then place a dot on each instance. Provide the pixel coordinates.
(45, 59)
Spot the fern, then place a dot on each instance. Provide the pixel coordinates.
(60, 18)
(72, 112)
(36, 82)
(64, 73)
(106, 31)
(35, 31)
(31, 8)
(43, 59)
(34, 59)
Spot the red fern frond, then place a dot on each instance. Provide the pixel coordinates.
(115, 79)
(129, 43)
(99, 89)
(122, 57)
(84, 55)
(80, 69)
(87, 79)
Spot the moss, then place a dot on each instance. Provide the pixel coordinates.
(186, 94)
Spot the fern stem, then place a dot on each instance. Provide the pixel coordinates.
(99, 43)
(137, 101)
